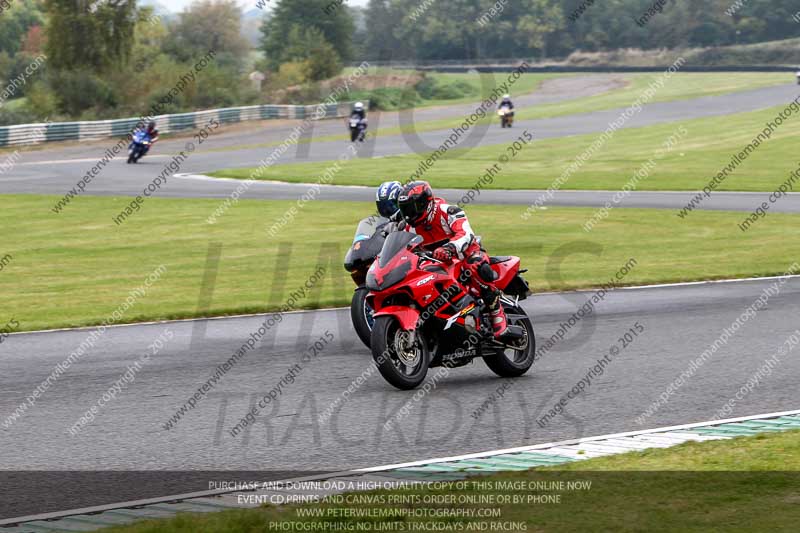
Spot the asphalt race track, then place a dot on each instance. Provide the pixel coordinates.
(56, 169)
(129, 432)
(679, 323)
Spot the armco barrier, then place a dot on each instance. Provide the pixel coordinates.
(74, 131)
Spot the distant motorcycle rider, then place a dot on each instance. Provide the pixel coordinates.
(445, 229)
(358, 109)
(506, 102)
(358, 123)
(152, 132)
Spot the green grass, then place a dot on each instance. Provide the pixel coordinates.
(446, 89)
(77, 267)
(743, 485)
(681, 86)
(708, 145)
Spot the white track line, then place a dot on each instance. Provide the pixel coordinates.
(350, 473)
(535, 447)
(204, 177)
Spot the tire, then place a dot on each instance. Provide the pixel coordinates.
(501, 364)
(361, 315)
(383, 340)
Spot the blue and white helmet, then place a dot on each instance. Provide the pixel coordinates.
(386, 198)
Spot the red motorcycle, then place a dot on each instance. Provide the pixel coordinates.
(424, 317)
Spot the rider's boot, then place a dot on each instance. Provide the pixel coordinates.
(497, 315)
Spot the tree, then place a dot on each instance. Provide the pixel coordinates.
(209, 25)
(380, 42)
(34, 40)
(309, 47)
(84, 35)
(336, 26)
(15, 24)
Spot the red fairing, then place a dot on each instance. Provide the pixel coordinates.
(407, 317)
(506, 272)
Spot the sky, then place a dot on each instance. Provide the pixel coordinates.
(178, 5)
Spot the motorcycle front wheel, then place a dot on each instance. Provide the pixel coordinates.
(402, 363)
(510, 362)
(361, 315)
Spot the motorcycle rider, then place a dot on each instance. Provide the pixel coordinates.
(152, 133)
(361, 114)
(506, 102)
(445, 228)
(386, 200)
(358, 109)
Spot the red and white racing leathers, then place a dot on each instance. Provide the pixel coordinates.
(448, 224)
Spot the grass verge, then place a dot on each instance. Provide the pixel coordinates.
(76, 268)
(682, 86)
(700, 153)
(748, 484)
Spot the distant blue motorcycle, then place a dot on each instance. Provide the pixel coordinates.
(140, 145)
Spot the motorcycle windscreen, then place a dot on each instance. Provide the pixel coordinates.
(367, 227)
(395, 243)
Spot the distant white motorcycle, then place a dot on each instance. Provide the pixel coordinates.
(506, 116)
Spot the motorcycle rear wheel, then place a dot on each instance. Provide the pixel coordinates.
(361, 315)
(403, 368)
(510, 363)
